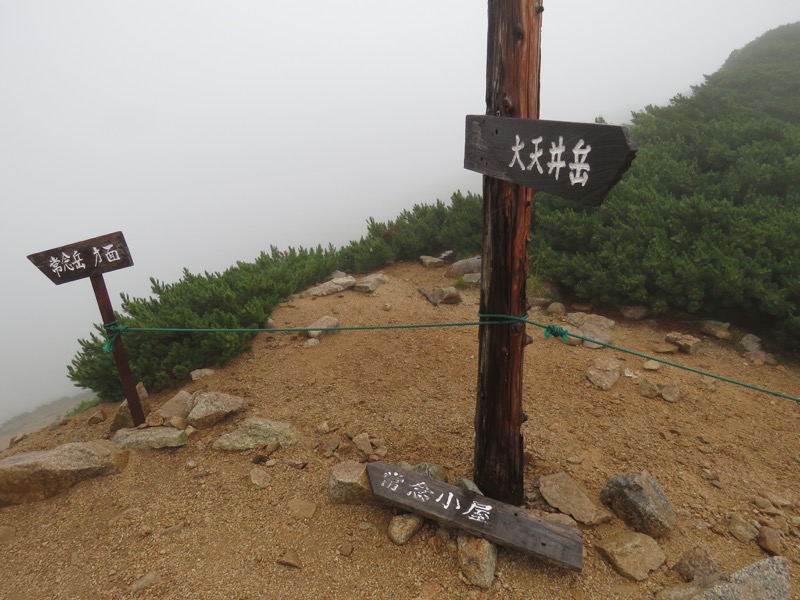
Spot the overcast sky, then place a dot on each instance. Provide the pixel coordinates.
(207, 131)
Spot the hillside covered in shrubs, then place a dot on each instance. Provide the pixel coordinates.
(706, 221)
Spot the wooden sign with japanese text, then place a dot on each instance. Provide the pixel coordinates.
(84, 259)
(578, 161)
(478, 515)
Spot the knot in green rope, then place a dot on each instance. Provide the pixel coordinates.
(555, 330)
(113, 332)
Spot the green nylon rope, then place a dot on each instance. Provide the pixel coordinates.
(115, 330)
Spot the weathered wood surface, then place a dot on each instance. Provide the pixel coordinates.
(477, 515)
(84, 259)
(118, 350)
(578, 161)
(512, 90)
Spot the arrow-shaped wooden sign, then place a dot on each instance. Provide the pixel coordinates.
(578, 161)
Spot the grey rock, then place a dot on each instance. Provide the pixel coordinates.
(462, 267)
(716, 329)
(256, 432)
(318, 327)
(469, 485)
(150, 438)
(259, 478)
(349, 484)
(685, 342)
(584, 320)
(312, 343)
(635, 313)
(473, 278)
(211, 407)
(478, 559)
(403, 527)
(562, 492)
(766, 579)
(648, 388)
(431, 262)
(604, 372)
(573, 341)
(147, 581)
(665, 348)
(334, 286)
(651, 365)
(33, 476)
(698, 565)
(446, 295)
(123, 418)
(770, 540)
(761, 358)
(430, 470)
(749, 343)
(670, 392)
(633, 555)
(362, 443)
(180, 405)
(556, 308)
(370, 283)
(596, 334)
(201, 373)
(637, 499)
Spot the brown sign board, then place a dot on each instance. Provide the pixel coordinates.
(578, 161)
(84, 259)
(501, 523)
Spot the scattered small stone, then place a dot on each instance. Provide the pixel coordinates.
(478, 559)
(665, 348)
(638, 499)
(349, 484)
(716, 329)
(211, 407)
(648, 388)
(431, 262)
(556, 308)
(312, 343)
(362, 443)
(346, 549)
(633, 555)
(446, 295)
(431, 470)
(562, 492)
(259, 478)
(634, 313)
(255, 432)
(742, 530)
(323, 427)
(770, 540)
(651, 365)
(96, 416)
(296, 464)
(148, 581)
(685, 342)
(201, 373)
(671, 392)
(697, 564)
(403, 527)
(191, 464)
(318, 328)
(604, 372)
(290, 558)
(707, 383)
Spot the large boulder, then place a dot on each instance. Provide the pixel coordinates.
(34, 476)
(462, 267)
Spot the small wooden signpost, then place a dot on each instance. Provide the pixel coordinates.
(518, 154)
(91, 258)
(478, 515)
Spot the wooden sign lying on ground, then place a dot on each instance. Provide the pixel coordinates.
(578, 161)
(84, 259)
(483, 517)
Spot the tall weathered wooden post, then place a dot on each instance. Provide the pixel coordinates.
(519, 154)
(512, 90)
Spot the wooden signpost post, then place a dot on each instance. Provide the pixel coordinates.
(91, 258)
(518, 154)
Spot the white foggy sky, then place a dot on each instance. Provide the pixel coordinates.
(207, 131)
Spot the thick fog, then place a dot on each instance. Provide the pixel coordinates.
(207, 131)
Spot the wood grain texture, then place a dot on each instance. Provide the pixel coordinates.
(84, 259)
(483, 517)
(490, 150)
